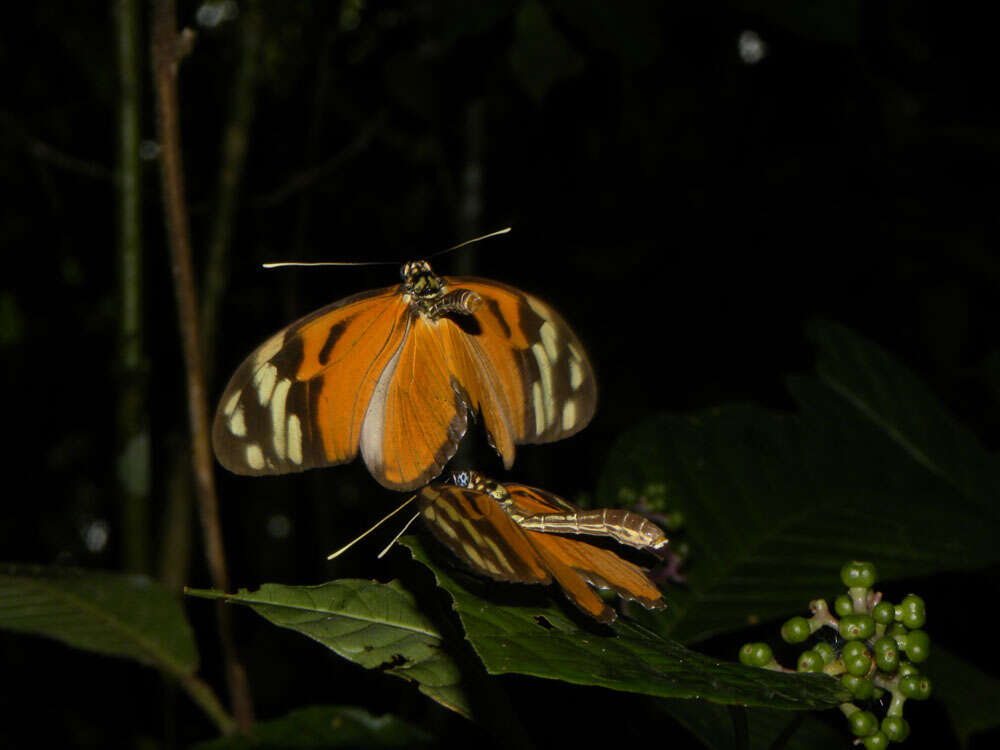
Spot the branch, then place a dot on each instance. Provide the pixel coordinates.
(167, 49)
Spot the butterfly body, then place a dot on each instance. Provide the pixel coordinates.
(510, 532)
(393, 374)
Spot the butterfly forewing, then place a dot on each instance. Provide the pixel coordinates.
(299, 400)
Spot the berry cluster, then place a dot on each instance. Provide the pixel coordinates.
(874, 651)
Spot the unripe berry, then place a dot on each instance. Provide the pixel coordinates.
(860, 688)
(795, 630)
(883, 613)
(917, 687)
(862, 723)
(896, 728)
(857, 627)
(918, 645)
(911, 612)
(810, 661)
(826, 651)
(876, 741)
(843, 605)
(756, 654)
(858, 574)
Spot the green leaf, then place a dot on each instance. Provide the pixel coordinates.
(970, 695)
(110, 613)
(325, 726)
(540, 640)
(375, 625)
(712, 724)
(872, 468)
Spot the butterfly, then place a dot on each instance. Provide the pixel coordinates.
(512, 532)
(394, 374)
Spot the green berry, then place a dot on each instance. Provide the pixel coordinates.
(826, 651)
(906, 669)
(918, 645)
(756, 654)
(887, 659)
(883, 613)
(862, 723)
(795, 630)
(858, 574)
(860, 688)
(876, 741)
(856, 659)
(843, 605)
(810, 661)
(896, 728)
(897, 630)
(914, 686)
(911, 612)
(857, 627)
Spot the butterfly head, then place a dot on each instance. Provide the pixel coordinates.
(419, 280)
(473, 480)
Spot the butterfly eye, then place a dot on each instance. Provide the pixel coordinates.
(461, 478)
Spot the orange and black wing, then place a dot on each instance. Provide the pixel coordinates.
(299, 400)
(477, 530)
(522, 348)
(600, 567)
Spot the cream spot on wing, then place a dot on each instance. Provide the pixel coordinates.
(548, 334)
(278, 426)
(540, 308)
(569, 415)
(448, 529)
(539, 404)
(295, 439)
(230, 406)
(269, 348)
(237, 423)
(264, 380)
(473, 554)
(255, 457)
(501, 557)
(575, 374)
(576, 353)
(545, 370)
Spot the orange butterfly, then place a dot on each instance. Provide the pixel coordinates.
(512, 533)
(395, 372)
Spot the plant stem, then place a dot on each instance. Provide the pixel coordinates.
(235, 140)
(166, 49)
(133, 424)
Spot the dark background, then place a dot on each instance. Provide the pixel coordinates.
(685, 204)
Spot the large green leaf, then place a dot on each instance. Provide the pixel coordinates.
(715, 726)
(325, 726)
(375, 625)
(970, 695)
(541, 640)
(871, 468)
(110, 613)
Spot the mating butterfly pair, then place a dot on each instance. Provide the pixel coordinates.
(394, 374)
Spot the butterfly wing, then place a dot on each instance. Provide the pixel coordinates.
(478, 531)
(524, 346)
(418, 412)
(299, 400)
(599, 567)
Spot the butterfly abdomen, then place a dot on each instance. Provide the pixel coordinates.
(621, 525)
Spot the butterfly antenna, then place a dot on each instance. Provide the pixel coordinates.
(396, 538)
(297, 263)
(469, 242)
(350, 544)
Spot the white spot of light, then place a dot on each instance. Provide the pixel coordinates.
(95, 534)
(751, 47)
(211, 14)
